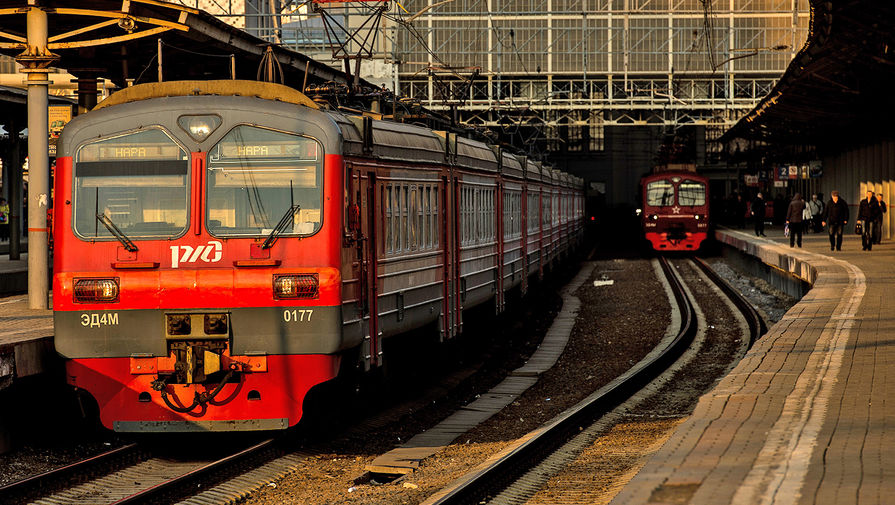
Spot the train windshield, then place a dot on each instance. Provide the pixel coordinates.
(255, 176)
(660, 193)
(138, 180)
(691, 193)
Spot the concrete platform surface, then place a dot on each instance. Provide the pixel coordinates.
(13, 275)
(805, 417)
(26, 339)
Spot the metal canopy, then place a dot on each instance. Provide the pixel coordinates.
(118, 40)
(838, 84)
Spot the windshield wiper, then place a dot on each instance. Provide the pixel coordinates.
(114, 230)
(284, 221)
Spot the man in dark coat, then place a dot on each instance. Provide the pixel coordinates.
(868, 213)
(878, 224)
(836, 214)
(758, 206)
(794, 219)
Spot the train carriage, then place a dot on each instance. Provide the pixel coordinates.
(224, 246)
(675, 211)
(534, 223)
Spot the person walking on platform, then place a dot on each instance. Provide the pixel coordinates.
(868, 213)
(836, 215)
(758, 207)
(794, 218)
(4, 220)
(816, 206)
(878, 224)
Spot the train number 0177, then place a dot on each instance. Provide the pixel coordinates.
(298, 315)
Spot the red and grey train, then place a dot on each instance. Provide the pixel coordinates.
(675, 210)
(222, 246)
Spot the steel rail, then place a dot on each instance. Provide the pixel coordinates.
(160, 492)
(757, 326)
(54, 479)
(487, 482)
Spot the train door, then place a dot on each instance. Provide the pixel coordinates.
(498, 218)
(367, 258)
(450, 235)
(524, 243)
(447, 278)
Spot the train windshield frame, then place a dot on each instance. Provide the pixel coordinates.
(138, 179)
(691, 193)
(255, 175)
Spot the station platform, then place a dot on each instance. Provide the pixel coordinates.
(26, 336)
(13, 274)
(26, 340)
(805, 417)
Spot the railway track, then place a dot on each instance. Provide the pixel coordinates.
(497, 479)
(131, 475)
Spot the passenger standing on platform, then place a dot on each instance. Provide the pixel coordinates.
(4, 220)
(816, 206)
(740, 211)
(878, 224)
(794, 219)
(837, 215)
(758, 207)
(868, 213)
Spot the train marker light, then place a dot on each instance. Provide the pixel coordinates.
(199, 127)
(95, 290)
(295, 286)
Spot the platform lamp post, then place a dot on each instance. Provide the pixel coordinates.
(36, 60)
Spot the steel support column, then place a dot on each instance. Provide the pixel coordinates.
(36, 59)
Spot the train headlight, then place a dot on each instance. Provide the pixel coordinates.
(697, 217)
(295, 286)
(199, 127)
(654, 217)
(96, 290)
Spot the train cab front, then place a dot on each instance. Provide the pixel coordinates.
(675, 213)
(196, 273)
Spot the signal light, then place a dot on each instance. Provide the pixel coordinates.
(295, 286)
(96, 290)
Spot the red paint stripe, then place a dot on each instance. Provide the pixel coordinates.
(38, 229)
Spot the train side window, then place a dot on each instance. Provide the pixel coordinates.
(436, 220)
(465, 217)
(420, 231)
(427, 210)
(396, 218)
(382, 200)
(405, 222)
(691, 193)
(414, 230)
(389, 221)
(424, 217)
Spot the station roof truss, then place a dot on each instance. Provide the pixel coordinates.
(118, 40)
(837, 86)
